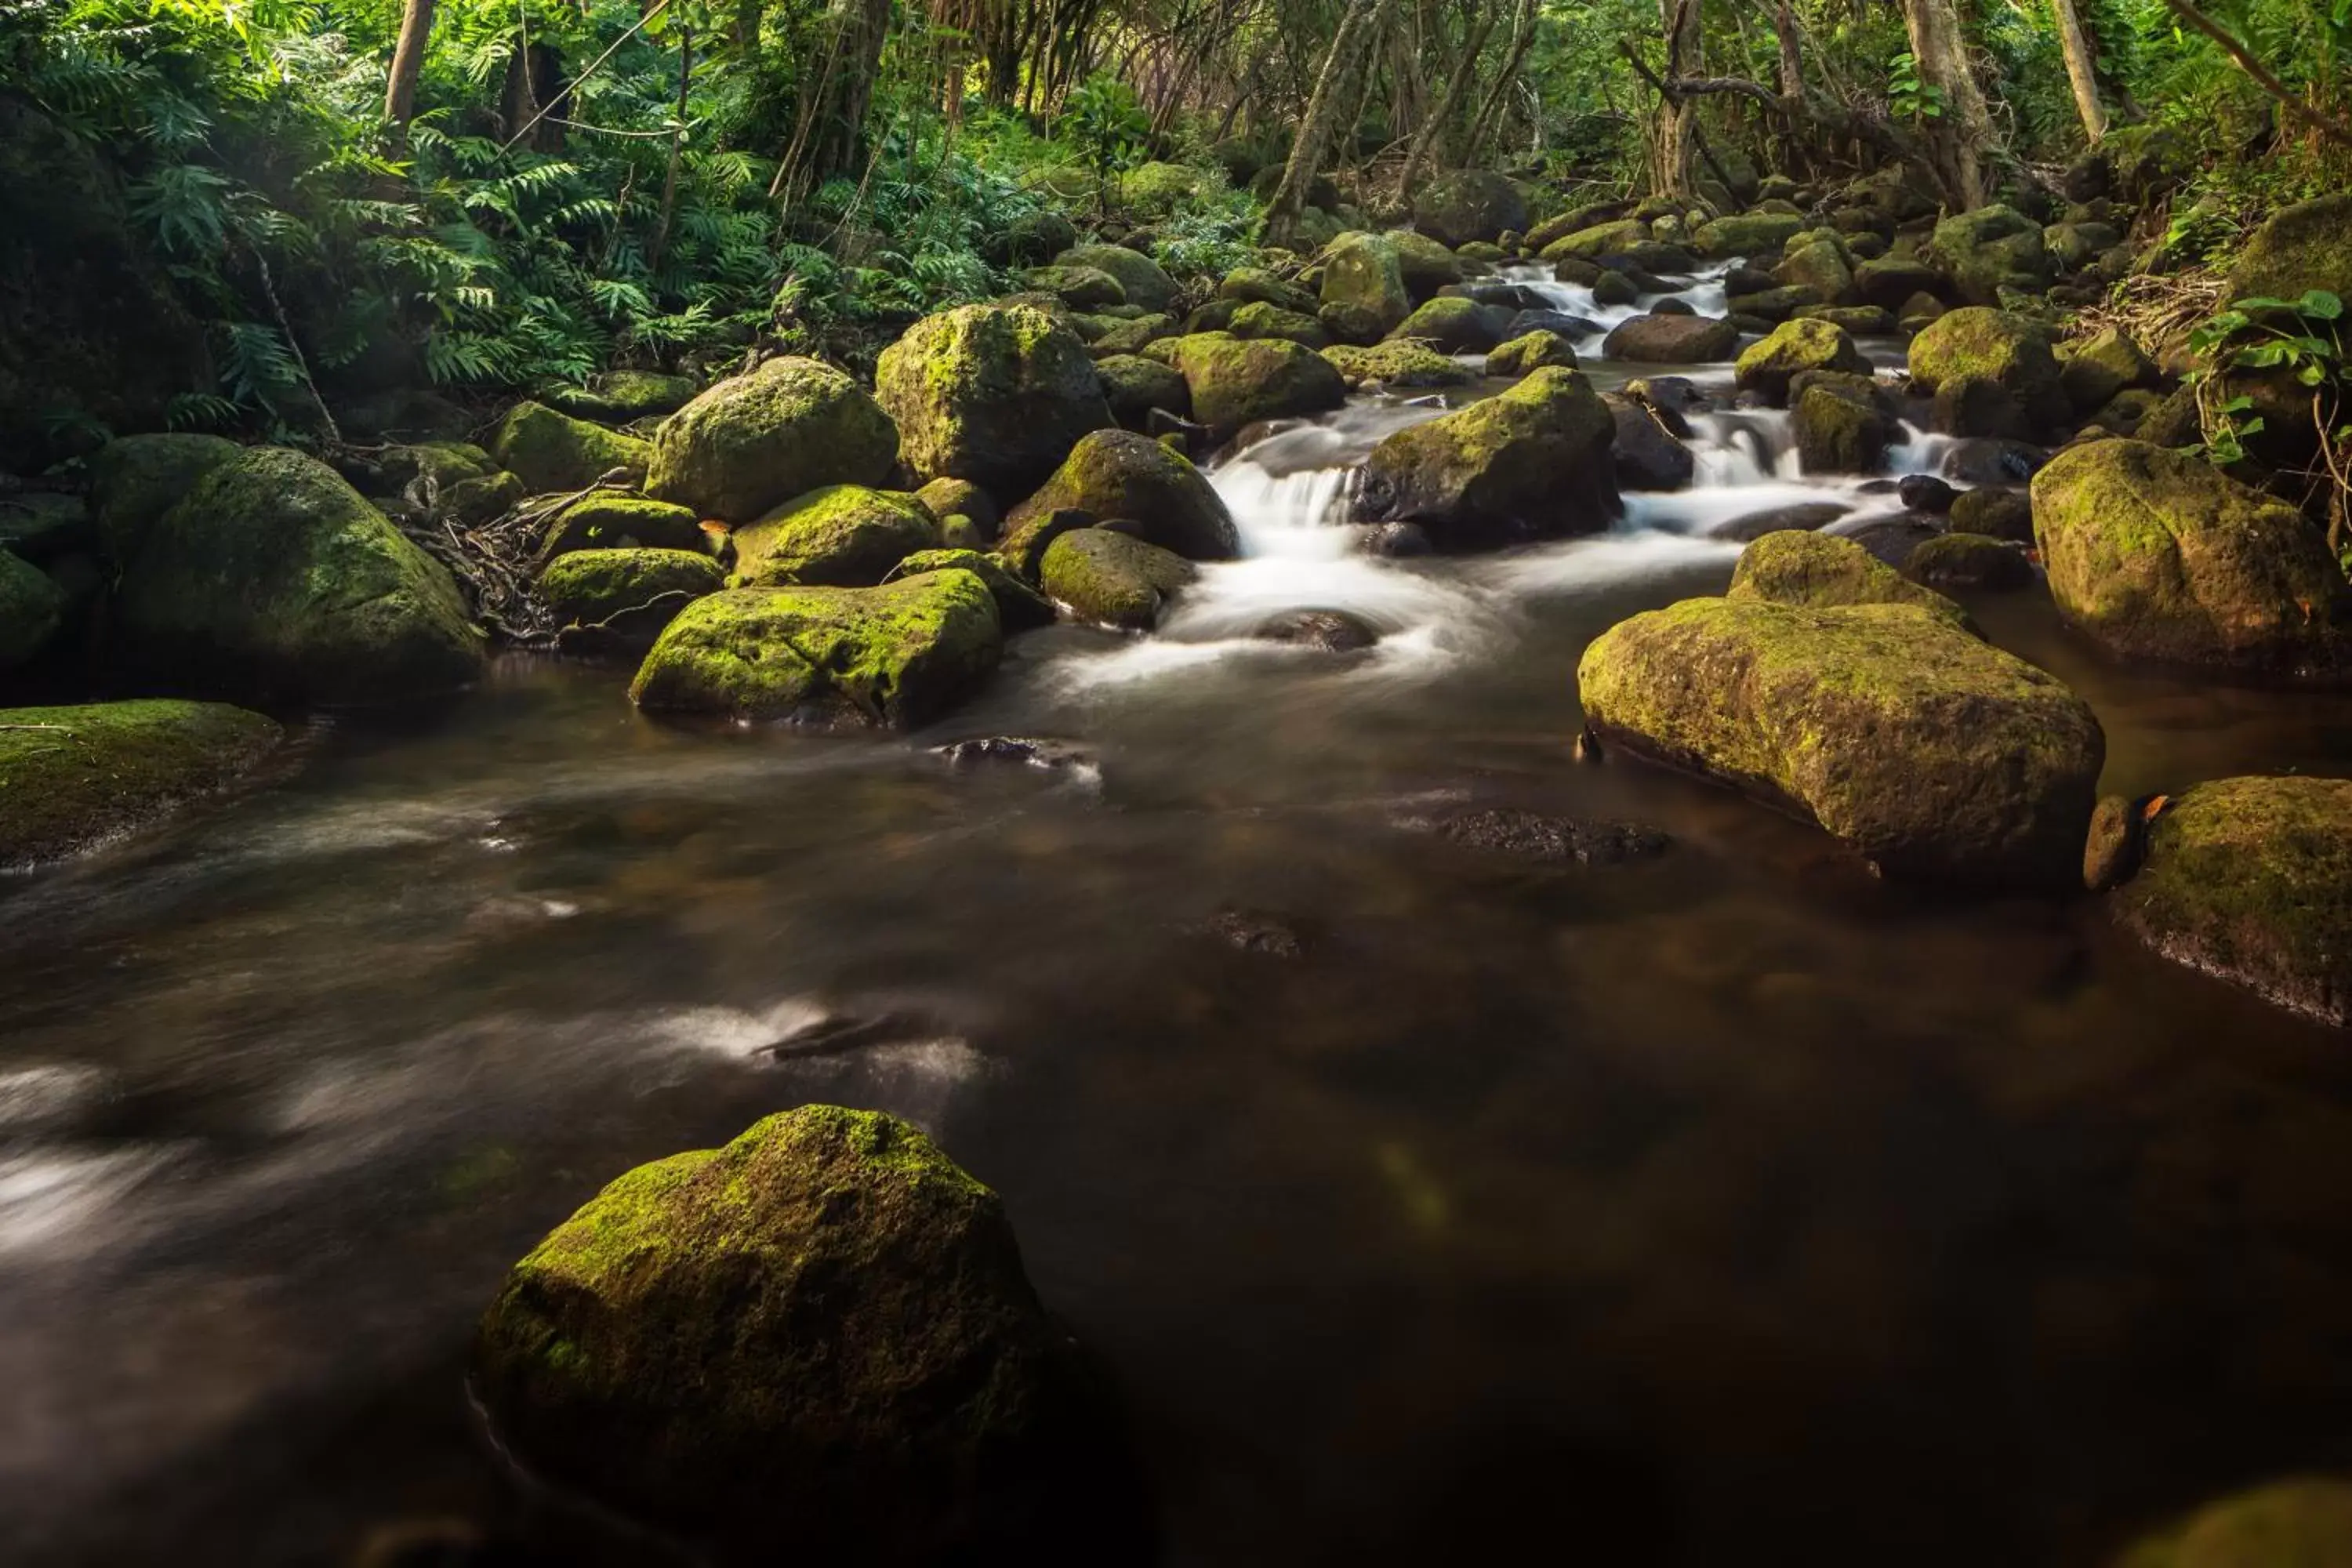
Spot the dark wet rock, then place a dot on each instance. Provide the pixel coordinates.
(1772, 306)
(1673, 307)
(1532, 463)
(77, 778)
(1995, 513)
(824, 1322)
(1135, 387)
(987, 394)
(1748, 281)
(1927, 493)
(2160, 555)
(1891, 539)
(1801, 516)
(1969, 562)
(1019, 751)
(1397, 540)
(1333, 631)
(2111, 855)
(1674, 395)
(1430, 268)
(1937, 757)
(2250, 879)
(1863, 320)
(1530, 836)
(1671, 339)
(1646, 455)
(1989, 462)
(1256, 931)
(1977, 406)
(1575, 329)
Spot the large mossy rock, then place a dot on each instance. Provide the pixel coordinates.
(1134, 386)
(1457, 326)
(74, 778)
(32, 607)
(273, 579)
(2008, 350)
(551, 451)
(2251, 879)
(2160, 556)
(1112, 578)
(1146, 283)
(1427, 264)
(1935, 755)
(2301, 1523)
(1119, 474)
(1671, 339)
(1263, 320)
(1363, 277)
(843, 536)
(1598, 239)
(1237, 381)
(1768, 366)
(900, 654)
(135, 480)
(1468, 204)
(1822, 571)
(1399, 363)
(2301, 247)
(1985, 251)
(1532, 463)
(614, 520)
(993, 395)
(1019, 606)
(1529, 352)
(1752, 235)
(621, 395)
(624, 597)
(789, 427)
(1890, 282)
(822, 1331)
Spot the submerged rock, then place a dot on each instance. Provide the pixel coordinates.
(1532, 463)
(72, 779)
(823, 1327)
(1120, 474)
(2250, 879)
(1530, 836)
(1028, 751)
(1332, 631)
(1113, 579)
(900, 654)
(751, 442)
(551, 451)
(2158, 555)
(1937, 756)
(1969, 562)
(843, 536)
(275, 579)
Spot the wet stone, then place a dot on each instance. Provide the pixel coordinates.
(1530, 836)
(1333, 631)
(1019, 751)
(1254, 932)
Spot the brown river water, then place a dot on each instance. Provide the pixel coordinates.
(1723, 1207)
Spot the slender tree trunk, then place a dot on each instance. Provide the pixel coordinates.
(1476, 25)
(1680, 19)
(1963, 133)
(1792, 60)
(676, 148)
(1354, 34)
(408, 62)
(2082, 69)
(1490, 115)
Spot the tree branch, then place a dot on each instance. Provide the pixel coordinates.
(2263, 79)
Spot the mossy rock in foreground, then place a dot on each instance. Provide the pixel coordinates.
(2301, 1523)
(789, 427)
(843, 536)
(1112, 578)
(623, 598)
(1937, 757)
(819, 1333)
(900, 654)
(2251, 879)
(1532, 463)
(74, 778)
(1822, 571)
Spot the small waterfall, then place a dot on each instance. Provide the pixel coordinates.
(1295, 514)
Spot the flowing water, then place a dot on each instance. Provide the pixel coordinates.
(1720, 1206)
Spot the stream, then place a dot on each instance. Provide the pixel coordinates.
(1425, 1200)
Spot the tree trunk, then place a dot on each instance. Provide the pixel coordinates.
(1792, 60)
(1490, 116)
(1962, 133)
(1476, 28)
(839, 144)
(1680, 19)
(408, 62)
(1357, 27)
(2081, 70)
(677, 149)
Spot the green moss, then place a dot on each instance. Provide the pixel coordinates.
(1018, 606)
(1450, 326)
(1992, 248)
(1820, 570)
(2301, 247)
(1362, 273)
(1127, 337)
(621, 395)
(633, 591)
(1531, 463)
(1235, 382)
(900, 654)
(1935, 755)
(135, 480)
(1263, 321)
(843, 536)
(1079, 288)
(1427, 265)
(2008, 350)
(1399, 363)
(789, 427)
(1531, 352)
(991, 395)
(31, 609)
(1822, 265)
(1112, 578)
(1258, 285)
(1135, 386)
(1156, 189)
(1601, 239)
(2160, 556)
(1968, 562)
(1756, 233)
(275, 578)
(1119, 474)
(1146, 281)
(74, 778)
(1768, 366)
(552, 452)
(1839, 430)
(611, 520)
(2251, 879)
(2103, 367)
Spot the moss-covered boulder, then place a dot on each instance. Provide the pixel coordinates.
(1822, 571)
(1752, 235)
(1766, 366)
(1840, 425)
(623, 598)
(1984, 252)
(946, 498)
(2251, 879)
(1237, 381)
(1019, 606)
(1995, 513)
(551, 451)
(1935, 756)
(2103, 366)
(273, 579)
(900, 654)
(1468, 204)
(620, 395)
(1259, 320)
(822, 1327)
(843, 536)
(1112, 578)
(1079, 288)
(614, 520)
(989, 395)
(789, 427)
(1130, 336)
(1134, 386)
(1399, 363)
(1427, 264)
(72, 779)
(2304, 247)
(1146, 283)
(1455, 326)
(32, 607)
(135, 480)
(1119, 474)
(1363, 275)
(1970, 563)
(1822, 267)
(2009, 350)
(2160, 555)
(1260, 285)
(1599, 239)
(1529, 352)
(1671, 339)
(1532, 463)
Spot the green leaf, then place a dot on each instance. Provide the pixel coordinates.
(2319, 304)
